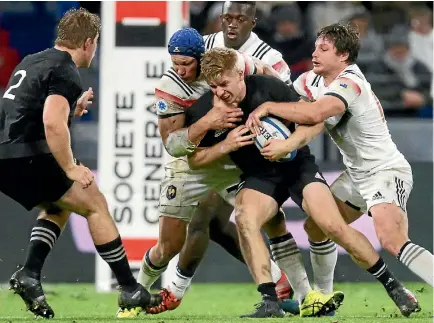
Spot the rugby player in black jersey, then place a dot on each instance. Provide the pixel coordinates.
(265, 185)
(37, 167)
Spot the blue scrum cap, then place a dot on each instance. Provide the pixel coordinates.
(187, 42)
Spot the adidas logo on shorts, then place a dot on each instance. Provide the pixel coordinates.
(377, 196)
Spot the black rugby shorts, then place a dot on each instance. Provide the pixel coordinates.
(34, 180)
(294, 177)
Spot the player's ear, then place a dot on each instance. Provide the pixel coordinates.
(344, 57)
(241, 74)
(87, 43)
(253, 22)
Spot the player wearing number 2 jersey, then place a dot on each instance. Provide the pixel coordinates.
(378, 178)
(37, 168)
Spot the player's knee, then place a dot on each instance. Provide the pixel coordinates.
(199, 222)
(245, 219)
(94, 203)
(99, 206)
(313, 231)
(335, 231)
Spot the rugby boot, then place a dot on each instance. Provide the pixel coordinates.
(405, 300)
(168, 302)
(267, 308)
(132, 303)
(25, 284)
(283, 288)
(318, 304)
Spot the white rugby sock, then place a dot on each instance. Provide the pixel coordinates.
(276, 272)
(180, 283)
(323, 256)
(288, 257)
(418, 260)
(149, 273)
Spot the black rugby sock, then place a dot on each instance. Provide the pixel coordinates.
(268, 290)
(113, 253)
(43, 238)
(383, 275)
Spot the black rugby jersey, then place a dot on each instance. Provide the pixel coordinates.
(21, 107)
(259, 89)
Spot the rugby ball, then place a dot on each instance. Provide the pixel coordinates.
(272, 128)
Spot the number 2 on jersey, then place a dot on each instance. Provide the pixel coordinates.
(9, 95)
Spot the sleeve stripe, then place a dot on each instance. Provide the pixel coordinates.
(173, 72)
(209, 43)
(208, 38)
(169, 115)
(172, 98)
(316, 80)
(213, 40)
(261, 55)
(340, 97)
(174, 77)
(351, 83)
(353, 73)
(261, 45)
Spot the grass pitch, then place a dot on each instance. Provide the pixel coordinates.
(206, 303)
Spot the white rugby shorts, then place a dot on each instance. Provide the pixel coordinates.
(181, 192)
(385, 186)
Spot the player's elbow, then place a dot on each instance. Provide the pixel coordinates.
(177, 144)
(317, 115)
(51, 123)
(174, 150)
(317, 118)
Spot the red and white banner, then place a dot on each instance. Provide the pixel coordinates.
(131, 154)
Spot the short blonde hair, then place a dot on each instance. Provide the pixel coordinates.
(217, 61)
(75, 27)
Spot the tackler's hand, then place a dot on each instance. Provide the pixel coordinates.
(223, 116)
(254, 120)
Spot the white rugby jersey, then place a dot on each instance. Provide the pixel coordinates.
(361, 131)
(174, 95)
(256, 48)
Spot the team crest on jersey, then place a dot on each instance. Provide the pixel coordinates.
(171, 192)
(344, 85)
(161, 105)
